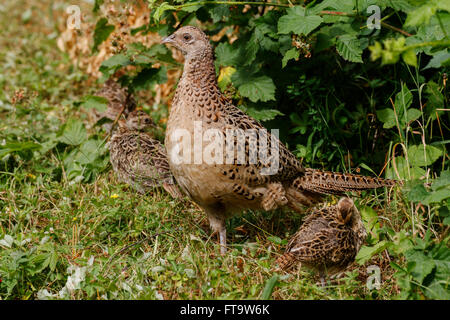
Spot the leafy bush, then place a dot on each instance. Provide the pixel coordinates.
(310, 63)
(345, 97)
(316, 65)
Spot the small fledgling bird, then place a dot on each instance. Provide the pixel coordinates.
(224, 188)
(118, 98)
(138, 159)
(327, 241)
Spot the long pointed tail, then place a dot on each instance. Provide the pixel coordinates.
(337, 183)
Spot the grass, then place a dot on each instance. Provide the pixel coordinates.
(94, 238)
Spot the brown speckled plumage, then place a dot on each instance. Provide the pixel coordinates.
(225, 189)
(327, 241)
(138, 159)
(118, 98)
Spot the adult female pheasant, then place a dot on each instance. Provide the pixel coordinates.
(138, 159)
(224, 187)
(327, 241)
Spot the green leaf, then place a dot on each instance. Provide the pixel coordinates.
(191, 8)
(262, 115)
(97, 5)
(274, 239)
(443, 181)
(225, 54)
(101, 32)
(259, 89)
(437, 196)
(115, 62)
(267, 24)
(405, 172)
(370, 220)
(219, 12)
(11, 147)
(242, 52)
(419, 264)
(74, 133)
(440, 59)
(446, 221)
(256, 88)
(365, 253)
(297, 22)
(435, 100)
(266, 34)
(387, 116)
(337, 5)
(292, 53)
(268, 288)
(420, 155)
(161, 9)
(411, 115)
(90, 150)
(95, 102)
(402, 243)
(421, 15)
(418, 193)
(248, 52)
(323, 41)
(349, 48)
(160, 53)
(53, 260)
(148, 77)
(403, 100)
(410, 57)
(442, 4)
(438, 290)
(401, 5)
(224, 78)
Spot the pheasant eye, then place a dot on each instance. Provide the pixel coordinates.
(187, 37)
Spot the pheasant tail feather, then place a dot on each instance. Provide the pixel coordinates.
(338, 183)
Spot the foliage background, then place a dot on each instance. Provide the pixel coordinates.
(345, 98)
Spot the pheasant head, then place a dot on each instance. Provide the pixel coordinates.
(138, 120)
(349, 215)
(346, 209)
(191, 41)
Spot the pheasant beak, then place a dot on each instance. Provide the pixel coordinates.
(169, 39)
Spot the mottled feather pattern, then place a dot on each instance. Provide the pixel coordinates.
(118, 98)
(328, 240)
(225, 189)
(338, 183)
(139, 159)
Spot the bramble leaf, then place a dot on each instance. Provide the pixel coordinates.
(256, 88)
(101, 32)
(349, 48)
(420, 155)
(298, 22)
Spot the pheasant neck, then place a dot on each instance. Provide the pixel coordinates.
(199, 70)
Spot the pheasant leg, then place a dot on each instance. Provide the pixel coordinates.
(322, 279)
(217, 223)
(223, 241)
